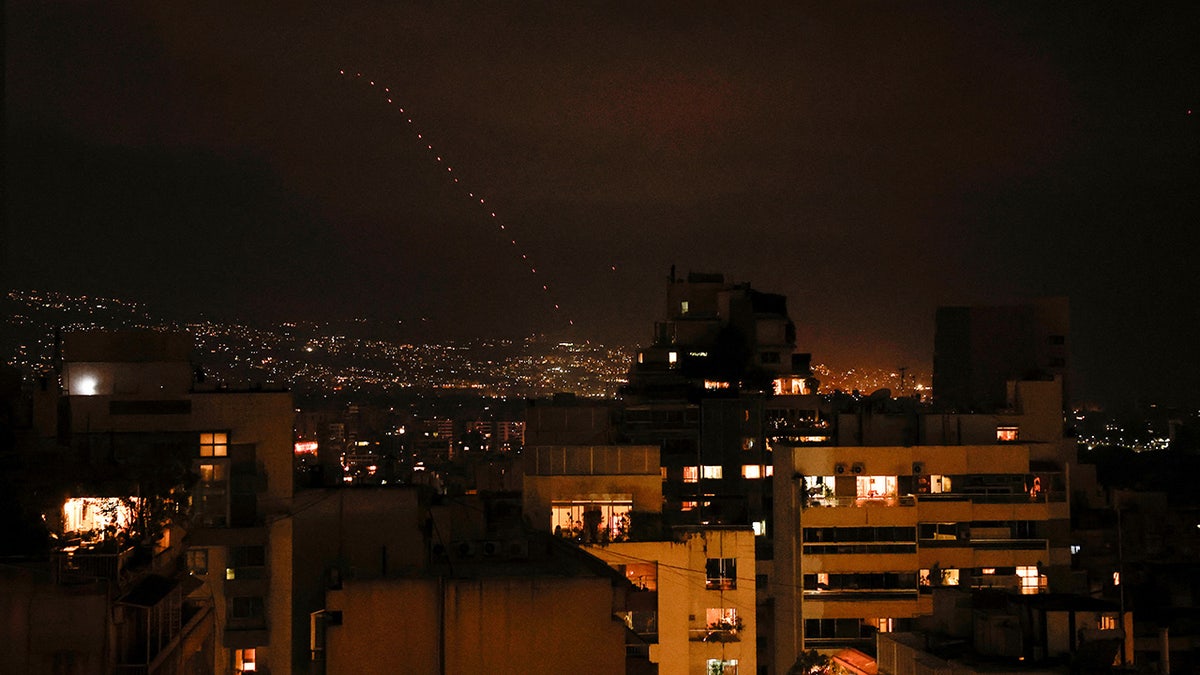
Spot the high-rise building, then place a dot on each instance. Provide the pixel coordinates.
(128, 402)
(899, 501)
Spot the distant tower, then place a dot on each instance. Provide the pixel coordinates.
(977, 350)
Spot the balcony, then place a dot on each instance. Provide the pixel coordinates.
(713, 635)
(868, 501)
(75, 564)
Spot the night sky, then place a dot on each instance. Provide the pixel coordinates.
(871, 163)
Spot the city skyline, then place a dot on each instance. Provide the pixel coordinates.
(870, 165)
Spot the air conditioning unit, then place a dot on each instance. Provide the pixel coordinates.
(856, 468)
(491, 548)
(439, 551)
(839, 469)
(464, 549)
(918, 468)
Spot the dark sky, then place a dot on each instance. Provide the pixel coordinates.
(871, 163)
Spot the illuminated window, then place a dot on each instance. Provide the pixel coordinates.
(987, 570)
(715, 384)
(688, 505)
(722, 618)
(214, 444)
(1007, 433)
(759, 527)
(1031, 582)
(691, 474)
(683, 307)
(244, 661)
(1107, 622)
(711, 471)
(664, 472)
(86, 385)
(672, 357)
(721, 574)
(822, 581)
(643, 576)
(950, 577)
(98, 514)
(876, 487)
(751, 471)
(212, 473)
(641, 357)
(770, 471)
(882, 624)
(748, 443)
(197, 561)
(592, 520)
(719, 667)
(1116, 578)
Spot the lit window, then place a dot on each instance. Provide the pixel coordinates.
(715, 384)
(1075, 548)
(723, 618)
(748, 443)
(1031, 581)
(664, 472)
(1007, 433)
(1107, 622)
(691, 474)
(719, 667)
(751, 471)
(212, 473)
(883, 624)
(244, 661)
(688, 505)
(770, 471)
(214, 444)
(876, 487)
(987, 570)
(672, 357)
(641, 357)
(822, 581)
(86, 385)
(759, 527)
(683, 307)
(1116, 578)
(950, 577)
(711, 471)
(98, 514)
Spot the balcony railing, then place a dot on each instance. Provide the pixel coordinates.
(713, 635)
(74, 564)
(890, 500)
(988, 544)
